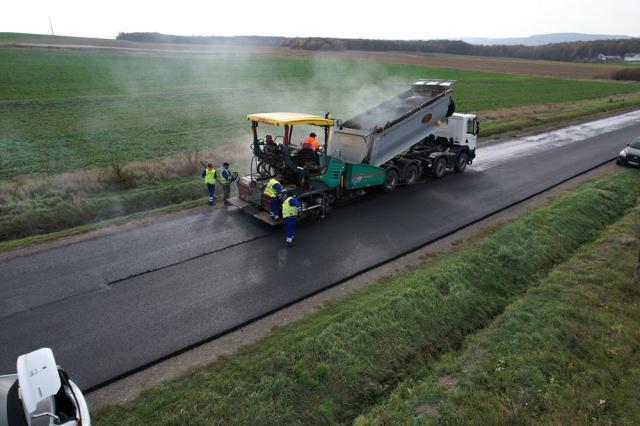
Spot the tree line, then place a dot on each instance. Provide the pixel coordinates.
(178, 39)
(570, 51)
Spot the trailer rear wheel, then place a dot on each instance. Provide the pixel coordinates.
(390, 180)
(411, 173)
(440, 168)
(461, 162)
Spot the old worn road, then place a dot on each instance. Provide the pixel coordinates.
(110, 305)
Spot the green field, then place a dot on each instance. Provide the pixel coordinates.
(352, 355)
(63, 110)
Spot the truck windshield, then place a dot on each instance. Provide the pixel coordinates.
(635, 144)
(471, 127)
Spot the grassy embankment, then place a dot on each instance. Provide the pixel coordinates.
(568, 352)
(517, 121)
(344, 359)
(67, 117)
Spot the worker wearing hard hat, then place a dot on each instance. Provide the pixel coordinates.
(273, 190)
(311, 142)
(224, 178)
(290, 209)
(209, 176)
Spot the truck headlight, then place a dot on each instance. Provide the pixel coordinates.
(623, 153)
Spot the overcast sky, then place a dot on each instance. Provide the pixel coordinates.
(396, 19)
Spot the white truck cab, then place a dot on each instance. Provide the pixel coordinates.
(463, 128)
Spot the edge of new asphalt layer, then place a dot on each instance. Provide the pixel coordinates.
(127, 386)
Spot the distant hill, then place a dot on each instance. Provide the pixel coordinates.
(540, 39)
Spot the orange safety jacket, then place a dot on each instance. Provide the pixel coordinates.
(311, 143)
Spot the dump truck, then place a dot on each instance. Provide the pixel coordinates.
(414, 134)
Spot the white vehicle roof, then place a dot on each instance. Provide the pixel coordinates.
(38, 378)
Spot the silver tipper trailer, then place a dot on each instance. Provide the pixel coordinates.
(393, 127)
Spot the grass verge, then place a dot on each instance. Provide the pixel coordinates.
(56, 211)
(566, 353)
(337, 363)
(557, 115)
(79, 230)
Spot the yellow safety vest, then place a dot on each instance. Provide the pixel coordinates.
(220, 177)
(209, 177)
(288, 210)
(269, 190)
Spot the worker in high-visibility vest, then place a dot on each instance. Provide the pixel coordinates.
(273, 190)
(224, 178)
(290, 209)
(209, 176)
(311, 142)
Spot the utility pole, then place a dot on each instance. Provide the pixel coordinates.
(51, 26)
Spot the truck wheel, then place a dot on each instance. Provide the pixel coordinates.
(390, 180)
(440, 168)
(411, 173)
(461, 162)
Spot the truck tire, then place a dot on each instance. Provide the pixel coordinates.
(411, 173)
(461, 162)
(391, 178)
(440, 168)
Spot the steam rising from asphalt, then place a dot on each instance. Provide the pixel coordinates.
(186, 103)
(228, 87)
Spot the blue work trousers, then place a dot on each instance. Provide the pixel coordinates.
(290, 228)
(275, 207)
(212, 192)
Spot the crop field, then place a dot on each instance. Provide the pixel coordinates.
(63, 110)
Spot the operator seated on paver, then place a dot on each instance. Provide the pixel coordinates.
(308, 156)
(224, 178)
(290, 209)
(273, 190)
(311, 142)
(209, 176)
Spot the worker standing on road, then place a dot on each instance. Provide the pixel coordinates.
(311, 142)
(224, 178)
(209, 176)
(290, 209)
(273, 190)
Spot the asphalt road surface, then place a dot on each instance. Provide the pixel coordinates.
(112, 304)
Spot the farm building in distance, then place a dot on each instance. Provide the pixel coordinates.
(607, 58)
(632, 57)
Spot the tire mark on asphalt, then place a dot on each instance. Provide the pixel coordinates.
(104, 287)
(111, 284)
(160, 268)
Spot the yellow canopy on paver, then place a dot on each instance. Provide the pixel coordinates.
(289, 119)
